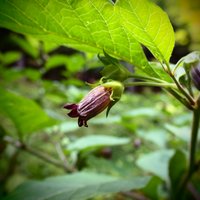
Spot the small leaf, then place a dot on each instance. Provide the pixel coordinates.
(152, 188)
(26, 115)
(156, 162)
(113, 69)
(9, 57)
(26, 46)
(96, 141)
(78, 186)
(177, 167)
(55, 61)
(107, 59)
(73, 63)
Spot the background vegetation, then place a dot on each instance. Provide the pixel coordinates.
(138, 152)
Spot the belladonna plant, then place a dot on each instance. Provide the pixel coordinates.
(179, 81)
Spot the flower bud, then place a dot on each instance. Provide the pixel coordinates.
(195, 75)
(98, 99)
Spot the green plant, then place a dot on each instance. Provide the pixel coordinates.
(117, 32)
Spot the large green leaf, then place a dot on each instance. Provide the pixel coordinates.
(78, 186)
(95, 141)
(26, 115)
(84, 24)
(156, 162)
(149, 25)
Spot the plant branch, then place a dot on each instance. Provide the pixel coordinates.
(61, 154)
(140, 83)
(170, 87)
(20, 145)
(179, 86)
(146, 78)
(179, 97)
(194, 134)
(183, 91)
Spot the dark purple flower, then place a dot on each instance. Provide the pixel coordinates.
(97, 100)
(195, 74)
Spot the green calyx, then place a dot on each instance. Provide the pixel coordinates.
(117, 91)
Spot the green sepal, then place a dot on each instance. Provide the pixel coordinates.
(113, 69)
(117, 91)
(112, 103)
(100, 82)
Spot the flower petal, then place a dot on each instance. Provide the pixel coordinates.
(82, 121)
(70, 106)
(73, 107)
(95, 102)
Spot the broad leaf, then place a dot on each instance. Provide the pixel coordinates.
(26, 115)
(95, 141)
(78, 186)
(149, 25)
(84, 25)
(156, 162)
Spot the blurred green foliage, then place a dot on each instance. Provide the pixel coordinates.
(146, 134)
(152, 122)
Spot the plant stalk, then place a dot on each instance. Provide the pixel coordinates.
(193, 143)
(140, 83)
(179, 86)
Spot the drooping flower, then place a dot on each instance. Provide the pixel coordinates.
(195, 75)
(98, 99)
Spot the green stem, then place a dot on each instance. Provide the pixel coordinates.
(182, 90)
(146, 78)
(179, 97)
(150, 84)
(180, 87)
(195, 127)
(193, 143)
(170, 87)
